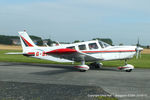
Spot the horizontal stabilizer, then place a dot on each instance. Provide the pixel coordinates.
(15, 53)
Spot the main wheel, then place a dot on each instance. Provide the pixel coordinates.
(96, 65)
(82, 70)
(129, 70)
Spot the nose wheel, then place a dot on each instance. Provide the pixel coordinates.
(127, 67)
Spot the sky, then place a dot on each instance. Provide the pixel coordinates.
(124, 21)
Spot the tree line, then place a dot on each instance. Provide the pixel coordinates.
(5, 40)
(8, 40)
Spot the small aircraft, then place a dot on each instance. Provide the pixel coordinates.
(89, 51)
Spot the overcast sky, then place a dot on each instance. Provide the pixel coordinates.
(67, 20)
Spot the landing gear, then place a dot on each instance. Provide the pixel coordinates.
(125, 61)
(96, 65)
(127, 67)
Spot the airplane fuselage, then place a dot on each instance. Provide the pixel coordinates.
(100, 51)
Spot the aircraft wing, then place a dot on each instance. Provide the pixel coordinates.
(71, 54)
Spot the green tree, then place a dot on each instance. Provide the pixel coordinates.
(5, 40)
(76, 41)
(121, 44)
(107, 40)
(40, 42)
(49, 42)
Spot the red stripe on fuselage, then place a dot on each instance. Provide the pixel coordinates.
(109, 51)
(29, 44)
(31, 53)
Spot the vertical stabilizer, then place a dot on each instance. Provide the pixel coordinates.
(26, 41)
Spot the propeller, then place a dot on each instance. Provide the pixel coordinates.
(138, 50)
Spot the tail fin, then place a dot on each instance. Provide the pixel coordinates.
(25, 40)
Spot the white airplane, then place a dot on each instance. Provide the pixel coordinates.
(90, 51)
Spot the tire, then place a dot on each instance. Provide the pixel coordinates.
(82, 70)
(95, 65)
(129, 70)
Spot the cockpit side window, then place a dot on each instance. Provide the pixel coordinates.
(103, 44)
(93, 46)
(72, 47)
(106, 45)
(82, 47)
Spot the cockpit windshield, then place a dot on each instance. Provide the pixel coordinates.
(103, 44)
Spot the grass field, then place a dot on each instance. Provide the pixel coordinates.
(143, 62)
(21, 58)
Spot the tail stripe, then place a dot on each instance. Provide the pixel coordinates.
(26, 42)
